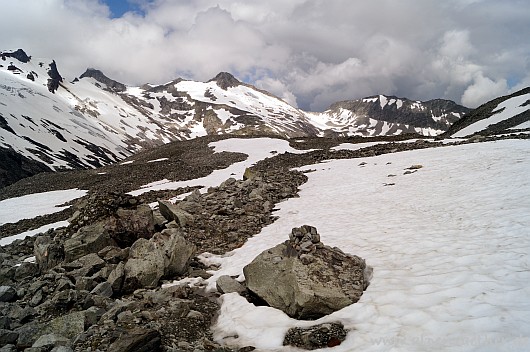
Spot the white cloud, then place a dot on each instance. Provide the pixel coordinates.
(482, 90)
(312, 51)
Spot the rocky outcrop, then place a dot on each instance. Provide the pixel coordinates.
(310, 279)
(110, 84)
(14, 166)
(55, 78)
(18, 54)
(225, 80)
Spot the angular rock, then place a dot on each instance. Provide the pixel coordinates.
(48, 253)
(226, 284)
(86, 265)
(49, 341)
(172, 212)
(137, 340)
(128, 225)
(26, 269)
(103, 289)
(177, 251)
(88, 239)
(318, 336)
(8, 348)
(310, 279)
(69, 325)
(116, 277)
(8, 337)
(7, 294)
(145, 266)
(113, 255)
(166, 254)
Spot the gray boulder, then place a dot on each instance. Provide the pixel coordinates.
(49, 341)
(128, 225)
(172, 212)
(89, 239)
(226, 284)
(166, 254)
(310, 279)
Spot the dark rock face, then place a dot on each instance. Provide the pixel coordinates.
(111, 84)
(14, 166)
(408, 112)
(311, 279)
(485, 111)
(55, 78)
(225, 80)
(19, 54)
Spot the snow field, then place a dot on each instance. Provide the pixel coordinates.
(449, 245)
(32, 205)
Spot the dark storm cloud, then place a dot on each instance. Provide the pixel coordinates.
(309, 52)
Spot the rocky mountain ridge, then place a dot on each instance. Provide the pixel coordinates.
(95, 120)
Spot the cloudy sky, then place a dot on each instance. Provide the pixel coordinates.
(309, 52)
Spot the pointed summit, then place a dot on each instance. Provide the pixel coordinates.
(99, 76)
(225, 80)
(19, 54)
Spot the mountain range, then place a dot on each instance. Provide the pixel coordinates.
(91, 256)
(49, 123)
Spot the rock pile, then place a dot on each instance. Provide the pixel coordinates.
(95, 285)
(310, 279)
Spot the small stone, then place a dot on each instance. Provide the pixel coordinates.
(226, 284)
(8, 337)
(50, 340)
(7, 294)
(103, 289)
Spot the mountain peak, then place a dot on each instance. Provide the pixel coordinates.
(225, 80)
(99, 76)
(19, 54)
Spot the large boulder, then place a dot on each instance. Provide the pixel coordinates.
(88, 239)
(128, 225)
(310, 279)
(175, 213)
(166, 254)
(48, 253)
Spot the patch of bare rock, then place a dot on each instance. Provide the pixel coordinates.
(97, 285)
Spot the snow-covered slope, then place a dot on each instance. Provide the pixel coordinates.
(507, 114)
(94, 120)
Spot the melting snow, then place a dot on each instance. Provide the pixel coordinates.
(157, 160)
(32, 205)
(7, 240)
(449, 245)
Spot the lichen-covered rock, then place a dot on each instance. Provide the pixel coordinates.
(318, 336)
(310, 279)
(166, 254)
